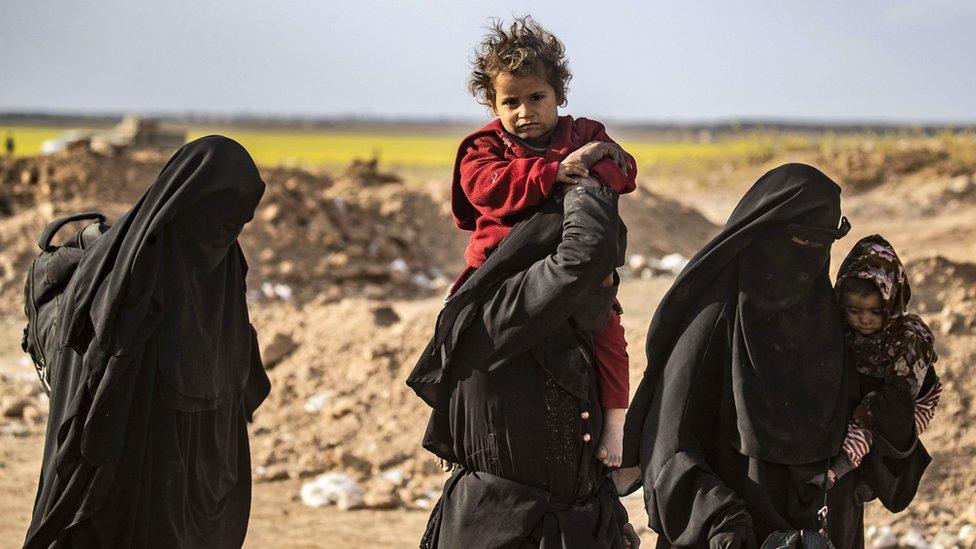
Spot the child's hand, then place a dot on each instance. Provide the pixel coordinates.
(570, 170)
(594, 151)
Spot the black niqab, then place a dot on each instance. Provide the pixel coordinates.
(747, 391)
(786, 362)
(146, 442)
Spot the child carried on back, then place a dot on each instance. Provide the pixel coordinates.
(893, 350)
(524, 157)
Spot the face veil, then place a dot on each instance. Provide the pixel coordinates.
(756, 305)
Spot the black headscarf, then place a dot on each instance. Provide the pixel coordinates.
(156, 310)
(786, 396)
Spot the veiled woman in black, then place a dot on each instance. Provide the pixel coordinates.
(510, 378)
(748, 387)
(146, 442)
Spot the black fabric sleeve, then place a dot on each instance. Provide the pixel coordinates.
(687, 502)
(530, 304)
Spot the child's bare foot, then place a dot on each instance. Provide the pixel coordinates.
(611, 447)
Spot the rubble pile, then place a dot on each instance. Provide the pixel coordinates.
(869, 163)
(365, 233)
(339, 405)
(944, 292)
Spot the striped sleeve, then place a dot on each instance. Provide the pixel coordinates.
(925, 407)
(857, 443)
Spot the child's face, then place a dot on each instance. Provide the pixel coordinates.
(527, 106)
(864, 313)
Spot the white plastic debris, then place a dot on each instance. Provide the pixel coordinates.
(672, 263)
(393, 475)
(398, 265)
(967, 534)
(421, 280)
(332, 488)
(315, 403)
(282, 291)
(915, 538)
(881, 537)
(637, 263)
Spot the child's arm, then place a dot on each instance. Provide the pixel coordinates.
(498, 187)
(615, 167)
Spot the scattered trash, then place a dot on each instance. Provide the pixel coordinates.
(393, 475)
(315, 403)
(399, 266)
(332, 488)
(881, 537)
(279, 291)
(645, 268)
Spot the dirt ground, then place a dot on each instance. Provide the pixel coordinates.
(341, 327)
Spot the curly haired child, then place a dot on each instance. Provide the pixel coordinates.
(522, 158)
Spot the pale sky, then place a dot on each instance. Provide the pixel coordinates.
(873, 60)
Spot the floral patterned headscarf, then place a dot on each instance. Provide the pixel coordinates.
(904, 346)
(874, 259)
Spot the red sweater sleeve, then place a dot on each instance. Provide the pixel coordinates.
(612, 363)
(498, 187)
(606, 169)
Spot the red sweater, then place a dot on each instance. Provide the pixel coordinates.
(498, 182)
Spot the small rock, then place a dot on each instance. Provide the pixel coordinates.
(385, 316)
(271, 213)
(278, 347)
(271, 473)
(13, 406)
(32, 414)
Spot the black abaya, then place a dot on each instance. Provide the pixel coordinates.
(146, 442)
(508, 374)
(747, 390)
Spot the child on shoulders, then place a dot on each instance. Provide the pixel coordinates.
(524, 157)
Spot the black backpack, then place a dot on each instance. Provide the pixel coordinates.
(47, 279)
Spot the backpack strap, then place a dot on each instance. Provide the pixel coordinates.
(44, 242)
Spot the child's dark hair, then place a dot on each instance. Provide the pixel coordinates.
(858, 286)
(525, 48)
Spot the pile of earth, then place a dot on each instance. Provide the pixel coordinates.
(868, 163)
(316, 235)
(361, 232)
(944, 294)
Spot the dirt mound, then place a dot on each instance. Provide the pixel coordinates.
(657, 226)
(866, 164)
(365, 233)
(945, 292)
(339, 403)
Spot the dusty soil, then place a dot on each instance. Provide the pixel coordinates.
(347, 274)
